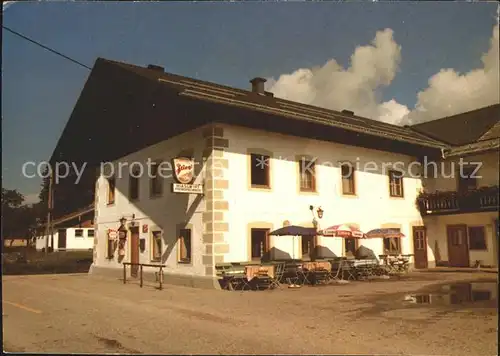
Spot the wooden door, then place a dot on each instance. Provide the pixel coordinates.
(458, 248)
(134, 250)
(61, 239)
(420, 247)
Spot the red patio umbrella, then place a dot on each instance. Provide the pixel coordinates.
(384, 233)
(343, 230)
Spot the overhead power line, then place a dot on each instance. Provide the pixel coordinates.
(45, 47)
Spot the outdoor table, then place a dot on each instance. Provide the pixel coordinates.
(396, 262)
(313, 268)
(294, 273)
(259, 270)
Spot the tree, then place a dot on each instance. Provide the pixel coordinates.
(18, 220)
(11, 199)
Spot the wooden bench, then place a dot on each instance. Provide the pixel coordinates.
(141, 265)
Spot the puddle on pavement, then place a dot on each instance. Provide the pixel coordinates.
(457, 294)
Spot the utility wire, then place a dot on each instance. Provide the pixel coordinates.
(45, 47)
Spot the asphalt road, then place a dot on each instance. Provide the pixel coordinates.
(77, 313)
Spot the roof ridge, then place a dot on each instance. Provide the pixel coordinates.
(455, 115)
(340, 119)
(245, 91)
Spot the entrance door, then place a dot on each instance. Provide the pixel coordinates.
(134, 250)
(61, 239)
(458, 249)
(308, 247)
(420, 246)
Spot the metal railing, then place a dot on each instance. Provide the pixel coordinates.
(141, 265)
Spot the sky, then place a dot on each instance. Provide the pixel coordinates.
(399, 62)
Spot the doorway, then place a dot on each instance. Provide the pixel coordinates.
(259, 244)
(134, 250)
(61, 239)
(350, 246)
(308, 245)
(458, 249)
(420, 246)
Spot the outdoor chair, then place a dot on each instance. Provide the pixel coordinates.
(261, 281)
(236, 278)
(348, 270)
(336, 269)
(292, 273)
(319, 275)
(279, 271)
(366, 267)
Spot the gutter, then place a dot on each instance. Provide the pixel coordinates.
(476, 147)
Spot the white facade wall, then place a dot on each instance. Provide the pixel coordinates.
(446, 177)
(443, 180)
(437, 239)
(72, 241)
(163, 213)
(371, 207)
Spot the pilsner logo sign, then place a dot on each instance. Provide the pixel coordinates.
(184, 170)
(184, 175)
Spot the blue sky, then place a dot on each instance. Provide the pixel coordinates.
(228, 43)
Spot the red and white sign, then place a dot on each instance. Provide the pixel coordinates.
(184, 170)
(145, 228)
(112, 234)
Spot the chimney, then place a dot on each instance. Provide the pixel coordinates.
(155, 67)
(258, 85)
(347, 112)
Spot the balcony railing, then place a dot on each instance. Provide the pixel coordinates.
(439, 203)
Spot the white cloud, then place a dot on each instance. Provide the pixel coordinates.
(373, 67)
(451, 93)
(355, 88)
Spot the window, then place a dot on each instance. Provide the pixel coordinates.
(477, 238)
(259, 170)
(392, 245)
(347, 171)
(133, 192)
(350, 246)
(156, 187)
(457, 237)
(79, 233)
(466, 180)
(419, 239)
(307, 171)
(308, 246)
(184, 245)
(156, 246)
(396, 184)
(90, 233)
(111, 190)
(259, 243)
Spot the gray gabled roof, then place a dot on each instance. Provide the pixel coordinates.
(246, 99)
(463, 128)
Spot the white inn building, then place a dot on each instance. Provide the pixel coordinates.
(260, 163)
